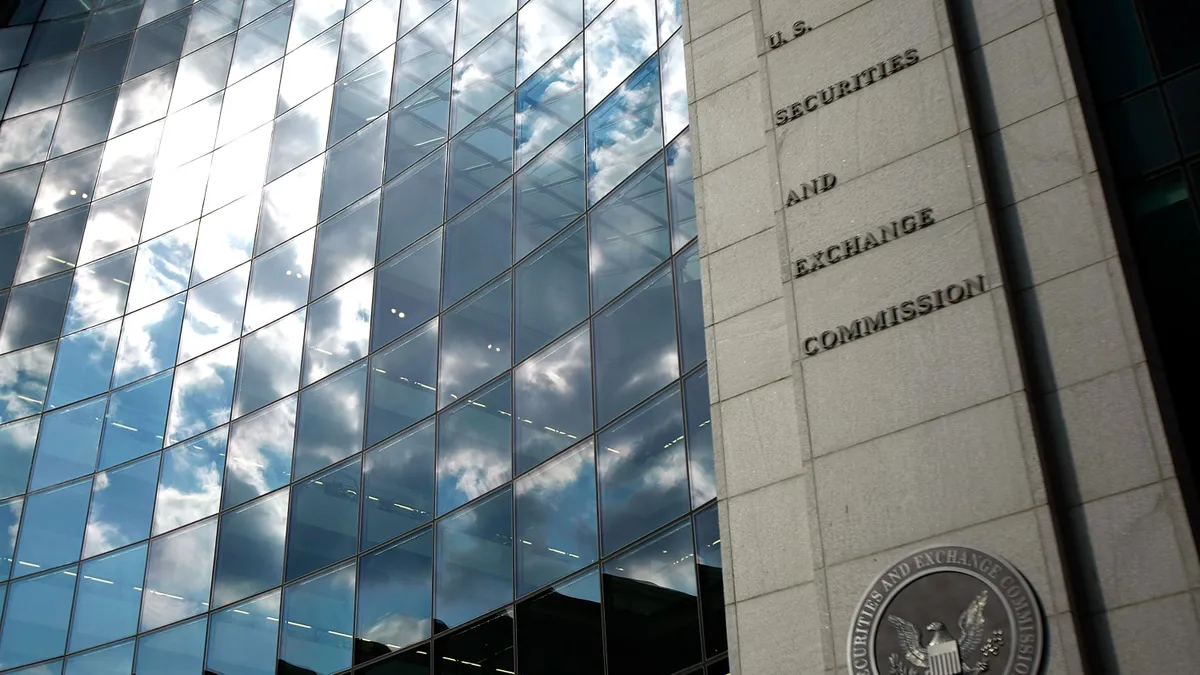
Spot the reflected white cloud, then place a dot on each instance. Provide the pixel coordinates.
(26, 140)
(624, 132)
(545, 27)
(176, 197)
(214, 313)
(178, 575)
(270, 364)
(617, 42)
(396, 630)
(550, 104)
(129, 159)
(162, 267)
(239, 167)
(226, 238)
(311, 17)
(674, 88)
(190, 489)
(202, 394)
(189, 133)
(23, 378)
(260, 448)
(148, 341)
(338, 329)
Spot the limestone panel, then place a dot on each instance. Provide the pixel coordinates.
(724, 56)
(1160, 637)
(738, 200)
(770, 548)
(728, 125)
(744, 275)
(1037, 153)
(765, 442)
(1021, 77)
(750, 349)
(1052, 233)
(781, 632)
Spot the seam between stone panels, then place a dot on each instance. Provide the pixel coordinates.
(694, 35)
(974, 47)
(764, 486)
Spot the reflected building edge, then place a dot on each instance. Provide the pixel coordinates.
(351, 337)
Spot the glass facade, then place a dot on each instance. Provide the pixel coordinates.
(352, 335)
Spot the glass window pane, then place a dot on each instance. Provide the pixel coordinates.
(260, 453)
(51, 245)
(418, 125)
(108, 597)
(674, 87)
(413, 204)
(249, 103)
(289, 206)
(68, 182)
(362, 95)
(345, 245)
(39, 86)
(35, 624)
(190, 485)
(475, 341)
(480, 157)
(478, 245)
(331, 420)
(550, 102)
(135, 420)
(99, 292)
(163, 267)
(648, 442)
(24, 375)
(355, 168)
(483, 648)
(52, 38)
(708, 559)
(47, 668)
(11, 242)
(84, 122)
(99, 68)
(556, 519)
(477, 18)
(629, 233)
(551, 193)
(26, 140)
(84, 364)
(176, 197)
(339, 328)
(395, 596)
(1183, 97)
(226, 239)
(650, 606)
(323, 528)
(214, 313)
(269, 368)
(256, 8)
(112, 21)
(114, 223)
(68, 443)
(250, 549)
(319, 623)
(427, 50)
(691, 311)
(553, 399)
(634, 342)
(474, 447)
(546, 25)
(157, 44)
(52, 531)
(203, 73)
(260, 42)
(10, 524)
(149, 341)
(17, 190)
(398, 482)
(300, 134)
(484, 75)
(312, 17)
(617, 42)
(242, 639)
(562, 626)
(121, 504)
(1139, 134)
(179, 575)
(699, 438)
(279, 282)
(367, 32)
(238, 168)
(179, 649)
(309, 69)
(552, 291)
(202, 394)
(16, 455)
(683, 196)
(474, 561)
(113, 660)
(12, 45)
(190, 133)
(402, 384)
(143, 100)
(624, 131)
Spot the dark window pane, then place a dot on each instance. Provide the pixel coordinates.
(478, 245)
(427, 50)
(1113, 48)
(556, 519)
(99, 68)
(483, 649)
(480, 157)
(355, 168)
(398, 482)
(552, 291)
(68, 443)
(17, 190)
(683, 195)
(242, 639)
(157, 44)
(406, 291)
(323, 527)
(719, 668)
(269, 368)
(648, 442)
(112, 660)
(474, 561)
(699, 438)
(179, 649)
(395, 596)
(551, 192)
(475, 341)
(650, 606)
(318, 623)
(11, 242)
(339, 327)
(418, 125)
(10, 523)
(112, 21)
(84, 364)
(1167, 22)
(51, 245)
(552, 100)
(629, 233)
(121, 502)
(331, 420)
(474, 446)
(56, 9)
(12, 45)
(39, 86)
(553, 392)
(631, 119)
(108, 597)
(24, 376)
(412, 662)
(402, 384)
(35, 624)
(635, 346)
(562, 626)
(16, 454)
(190, 485)
(202, 394)
(260, 453)
(712, 602)
(345, 245)
(179, 575)
(361, 96)
(1139, 134)
(52, 531)
(250, 549)
(413, 204)
(1183, 97)
(691, 308)
(54, 38)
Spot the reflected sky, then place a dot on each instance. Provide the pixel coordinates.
(474, 446)
(556, 519)
(190, 485)
(260, 452)
(201, 397)
(395, 592)
(553, 392)
(178, 575)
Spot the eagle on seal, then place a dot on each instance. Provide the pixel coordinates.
(944, 655)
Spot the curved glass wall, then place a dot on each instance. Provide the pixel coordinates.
(358, 335)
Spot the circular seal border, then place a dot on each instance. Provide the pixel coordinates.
(933, 567)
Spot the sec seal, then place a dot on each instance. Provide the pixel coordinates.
(948, 610)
